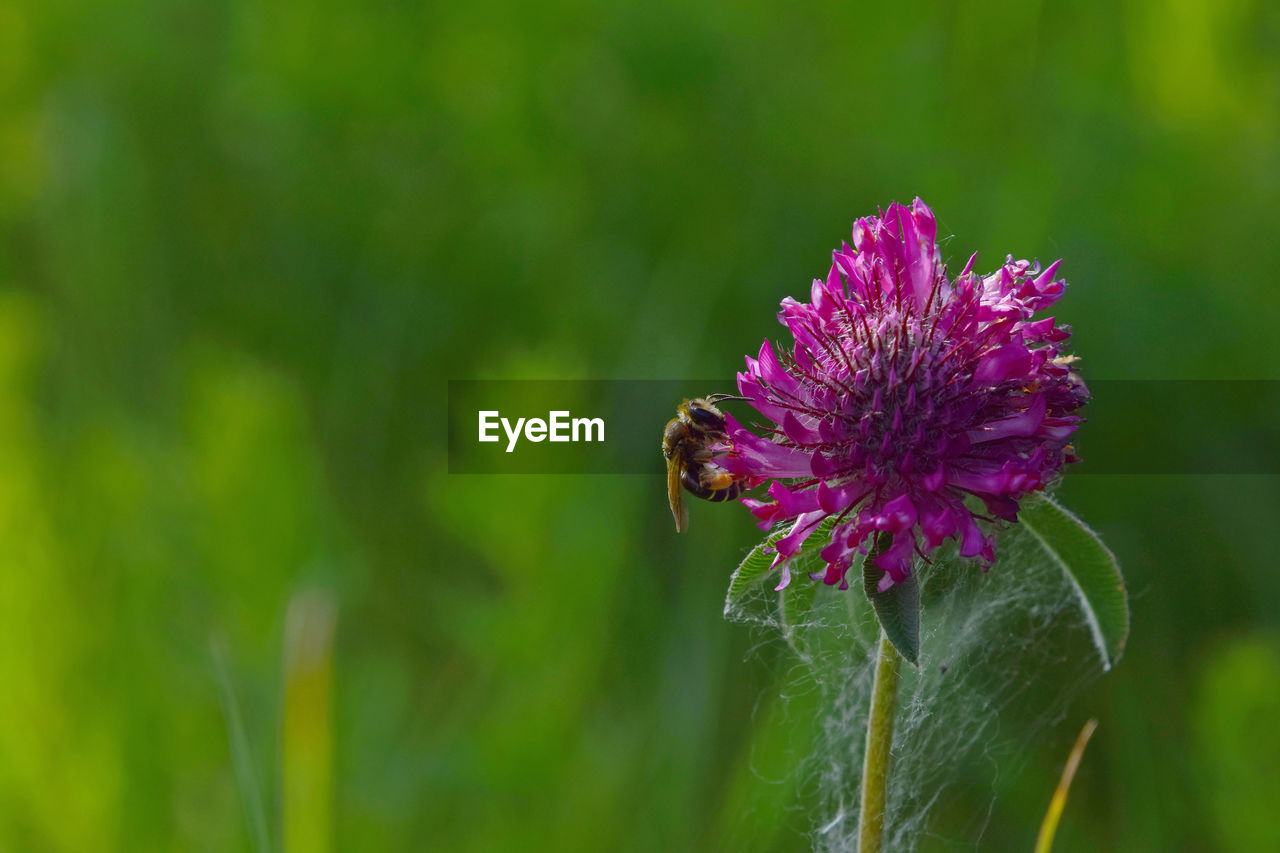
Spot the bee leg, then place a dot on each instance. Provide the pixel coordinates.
(711, 483)
(723, 485)
(702, 455)
(714, 477)
(727, 493)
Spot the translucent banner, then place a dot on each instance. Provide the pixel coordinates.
(615, 426)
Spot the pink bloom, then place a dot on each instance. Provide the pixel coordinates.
(909, 401)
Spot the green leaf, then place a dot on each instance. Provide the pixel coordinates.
(753, 567)
(795, 603)
(797, 600)
(756, 564)
(897, 608)
(1091, 568)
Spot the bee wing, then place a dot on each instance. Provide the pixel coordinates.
(674, 496)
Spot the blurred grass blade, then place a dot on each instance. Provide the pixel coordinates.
(1091, 568)
(241, 756)
(307, 726)
(1044, 841)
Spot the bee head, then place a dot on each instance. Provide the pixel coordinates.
(704, 414)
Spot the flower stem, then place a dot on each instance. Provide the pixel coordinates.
(875, 769)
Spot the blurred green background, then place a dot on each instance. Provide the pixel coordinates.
(244, 245)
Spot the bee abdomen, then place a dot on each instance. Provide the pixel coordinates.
(692, 481)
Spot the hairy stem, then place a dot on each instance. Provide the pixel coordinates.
(875, 769)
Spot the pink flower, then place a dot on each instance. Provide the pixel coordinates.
(909, 402)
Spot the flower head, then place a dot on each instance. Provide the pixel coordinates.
(909, 403)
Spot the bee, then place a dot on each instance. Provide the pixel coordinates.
(686, 445)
